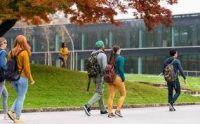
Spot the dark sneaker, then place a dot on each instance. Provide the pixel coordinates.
(103, 112)
(87, 110)
(171, 108)
(118, 113)
(110, 115)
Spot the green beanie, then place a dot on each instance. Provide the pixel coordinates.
(99, 44)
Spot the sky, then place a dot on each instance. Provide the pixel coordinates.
(182, 7)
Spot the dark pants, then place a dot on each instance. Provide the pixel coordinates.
(63, 63)
(173, 86)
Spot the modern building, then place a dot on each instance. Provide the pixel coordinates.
(144, 51)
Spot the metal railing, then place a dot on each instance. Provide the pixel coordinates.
(73, 62)
(192, 73)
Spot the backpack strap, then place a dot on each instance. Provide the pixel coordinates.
(96, 53)
(17, 56)
(172, 61)
(17, 53)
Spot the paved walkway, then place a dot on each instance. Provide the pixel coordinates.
(154, 115)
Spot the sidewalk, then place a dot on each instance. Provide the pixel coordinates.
(153, 115)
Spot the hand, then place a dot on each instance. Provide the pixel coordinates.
(32, 82)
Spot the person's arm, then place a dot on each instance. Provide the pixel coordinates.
(120, 62)
(3, 60)
(26, 66)
(60, 51)
(163, 67)
(181, 69)
(67, 52)
(104, 61)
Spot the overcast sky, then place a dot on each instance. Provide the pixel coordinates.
(182, 7)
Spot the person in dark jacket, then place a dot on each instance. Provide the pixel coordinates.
(175, 85)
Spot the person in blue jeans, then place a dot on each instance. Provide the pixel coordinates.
(175, 85)
(22, 51)
(3, 67)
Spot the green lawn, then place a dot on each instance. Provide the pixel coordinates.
(193, 82)
(57, 87)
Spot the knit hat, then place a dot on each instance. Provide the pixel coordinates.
(99, 44)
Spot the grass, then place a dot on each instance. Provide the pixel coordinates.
(57, 87)
(193, 82)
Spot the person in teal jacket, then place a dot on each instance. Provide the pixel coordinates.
(119, 66)
(118, 62)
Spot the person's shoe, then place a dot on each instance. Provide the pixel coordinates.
(118, 113)
(171, 108)
(11, 115)
(87, 110)
(5, 117)
(110, 115)
(103, 112)
(18, 120)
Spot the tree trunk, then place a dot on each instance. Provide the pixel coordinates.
(6, 26)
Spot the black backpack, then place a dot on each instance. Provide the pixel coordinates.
(92, 67)
(12, 73)
(2, 77)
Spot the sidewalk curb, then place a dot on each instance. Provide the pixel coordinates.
(62, 109)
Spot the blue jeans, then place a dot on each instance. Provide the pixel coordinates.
(173, 86)
(4, 94)
(21, 87)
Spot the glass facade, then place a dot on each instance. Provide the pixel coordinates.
(144, 51)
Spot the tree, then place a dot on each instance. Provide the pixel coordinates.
(82, 11)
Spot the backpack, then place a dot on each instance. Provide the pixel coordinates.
(92, 67)
(169, 74)
(12, 73)
(109, 74)
(2, 77)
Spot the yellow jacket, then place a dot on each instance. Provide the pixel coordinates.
(23, 61)
(64, 52)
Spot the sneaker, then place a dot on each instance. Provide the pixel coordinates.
(5, 117)
(18, 120)
(118, 113)
(103, 112)
(110, 115)
(11, 115)
(87, 110)
(171, 108)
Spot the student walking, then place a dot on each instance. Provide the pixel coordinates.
(63, 55)
(3, 67)
(22, 53)
(118, 62)
(171, 68)
(98, 79)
